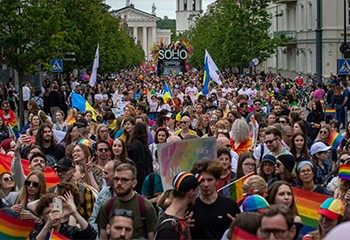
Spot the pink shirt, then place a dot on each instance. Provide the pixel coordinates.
(318, 94)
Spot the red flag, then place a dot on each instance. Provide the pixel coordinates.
(239, 234)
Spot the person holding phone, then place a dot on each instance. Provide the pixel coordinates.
(50, 209)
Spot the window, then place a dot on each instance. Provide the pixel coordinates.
(302, 17)
(310, 16)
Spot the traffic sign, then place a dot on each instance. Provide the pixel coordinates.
(344, 66)
(251, 64)
(57, 65)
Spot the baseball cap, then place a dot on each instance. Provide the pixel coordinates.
(185, 181)
(64, 163)
(332, 208)
(269, 158)
(254, 203)
(319, 147)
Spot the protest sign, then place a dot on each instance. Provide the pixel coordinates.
(180, 156)
(307, 204)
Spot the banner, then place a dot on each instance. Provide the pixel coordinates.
(307, 204)
(234, 190)
(180, 156)
(14, 228)
(5, 166)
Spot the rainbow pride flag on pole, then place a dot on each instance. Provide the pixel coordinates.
(81, 104)
(49, 173)
(334, 139)
(56, 236)
(14, 228)
(234, 190)
(307, 204)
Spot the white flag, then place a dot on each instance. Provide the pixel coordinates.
(214, 71)
(95, 67)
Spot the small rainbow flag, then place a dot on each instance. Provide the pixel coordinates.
(56, 236)
(307, 204)
(49, 173)
(330, 111)
(234, 190)
(14, 228)
(344, 172)
(240, 234)
(334, 139)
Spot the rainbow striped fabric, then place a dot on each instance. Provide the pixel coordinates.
(330, 111)
(14, 228)
(344, 172)
(240, 234)
(49, 173)
(334, 139)
(307, 204)
(234, 190)
(56, 236)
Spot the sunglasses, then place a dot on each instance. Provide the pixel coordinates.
(123, 213)
(270, 141)
(183, 122)
(324, 132)
(7, 179)
(103, 149)
(30, 183)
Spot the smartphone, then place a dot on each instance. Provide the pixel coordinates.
(57, 204)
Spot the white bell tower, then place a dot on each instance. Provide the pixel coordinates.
(186, 11)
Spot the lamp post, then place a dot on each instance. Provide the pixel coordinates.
(318, 43)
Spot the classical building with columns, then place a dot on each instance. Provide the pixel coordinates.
(186, 12)
(142, 26)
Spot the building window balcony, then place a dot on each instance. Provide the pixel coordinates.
(290, 35)
(285, 1)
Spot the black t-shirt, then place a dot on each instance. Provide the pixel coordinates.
(53, 154)
(170, 227)
(211, 221)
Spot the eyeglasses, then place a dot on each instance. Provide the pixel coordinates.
(30, 183)
(282, 122)
(59, 171)
(7, 179)
(344, 160)
(278, 233)
(257, 104)
(324, 132)
(228, 145)
(123, 213)
(183, 122)
(123, 180)
(105, 130)
(305, 171)
(250, 165)
(270, 141)
(103, 149)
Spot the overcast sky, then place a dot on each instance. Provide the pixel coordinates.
(164, 7)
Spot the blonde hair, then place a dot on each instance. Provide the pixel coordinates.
(240, 131)
(23, 193)
(255, 185)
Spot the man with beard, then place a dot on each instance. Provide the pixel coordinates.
(212, 213)
(65, 169)
(172, 222)
(46, 140)
(126, 198)
(120, 225)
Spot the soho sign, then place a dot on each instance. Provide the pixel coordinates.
(173, 54)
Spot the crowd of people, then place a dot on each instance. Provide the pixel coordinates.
(108, 167)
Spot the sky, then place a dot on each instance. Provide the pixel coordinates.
(164, 7)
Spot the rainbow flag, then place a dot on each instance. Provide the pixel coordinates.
(234, 190)
(307, 204)
(167, 93)
(14, 228)
(81, 104)
(330, 111)
(49, 173)
(56, 236)
(344, 172)
(334, 139)
(240, 234)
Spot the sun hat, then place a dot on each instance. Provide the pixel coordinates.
(254, 203)
(319, 147)
(186, 181)
(332, 208)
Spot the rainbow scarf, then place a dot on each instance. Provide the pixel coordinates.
(234, 190)
(14, 228)
(5, 166)
(334, 139)
(344, 172)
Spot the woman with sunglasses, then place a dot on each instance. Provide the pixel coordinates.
(320, 153)
(323, 135)
(34, 188)
(284, 170)
(307, 177)
(7, 184)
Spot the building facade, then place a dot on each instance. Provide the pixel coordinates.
(142, 26)
(186, 12)
(296, 19)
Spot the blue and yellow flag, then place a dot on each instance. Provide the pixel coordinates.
(206, 77)
(81, 104)
(167, 93)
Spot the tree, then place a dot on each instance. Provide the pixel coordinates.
(234, 34)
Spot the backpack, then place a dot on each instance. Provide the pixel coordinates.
(142, 208)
